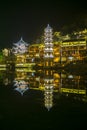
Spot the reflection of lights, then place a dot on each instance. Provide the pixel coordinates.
(70, 76)
(3, 65)
(48, 80)
(3, 68)
(70, 58)
(56, 75)
(19, 83)
(22, 89)
(38, 79)
(48, 99)
(48, 56)
(32, 59)
(48, 92)
(76, 91)
(6, 81)
(21, 86)
(47, 87)
(32, 74)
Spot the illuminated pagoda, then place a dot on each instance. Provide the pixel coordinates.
(21, 86)
(19, 49)
(48, 49)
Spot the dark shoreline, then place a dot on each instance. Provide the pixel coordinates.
(78, 68)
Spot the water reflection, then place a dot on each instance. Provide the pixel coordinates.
(48, 88)
(20, 86)
(50, 82)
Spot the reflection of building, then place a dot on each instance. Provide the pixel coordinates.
(48, 89)
(21, 86)
(21, 81)
(73, 86)
(6, 77)
(50, 82)
(48, 49)
(25, 79)
(48, 93)
(62, 83)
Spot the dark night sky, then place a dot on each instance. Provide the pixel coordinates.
(28, 19)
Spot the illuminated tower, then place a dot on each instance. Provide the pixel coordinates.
(20, 47)
(48, 49)
(20, 50)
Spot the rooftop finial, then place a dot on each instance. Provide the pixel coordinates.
(21, 39)
(48, 25)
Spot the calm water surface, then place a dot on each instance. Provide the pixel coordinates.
(42, 100)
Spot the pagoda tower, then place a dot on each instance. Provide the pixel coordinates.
(48, 49)
(20, 47)
(20, 50)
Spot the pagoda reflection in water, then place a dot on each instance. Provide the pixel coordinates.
(48, 89)
(47, 81)
(21, 86)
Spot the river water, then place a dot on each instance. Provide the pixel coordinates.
(43, 99)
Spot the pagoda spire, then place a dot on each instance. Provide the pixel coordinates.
(48, 25)
(21, 39)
